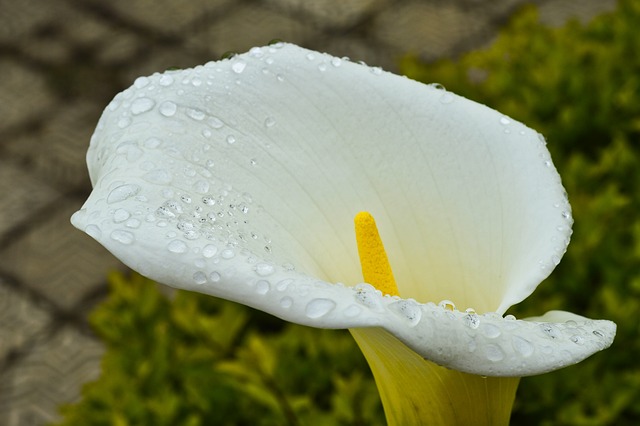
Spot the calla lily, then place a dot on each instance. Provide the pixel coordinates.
(241, 178)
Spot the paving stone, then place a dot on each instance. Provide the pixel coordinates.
(330, 13)
(20, 319)
(165, 16)
(58, 261)
(52, 373)
(56, 151)
(556, 12)
(24, 94)
(249, 26)
(22, 196)
(19, 18)
(427, 29)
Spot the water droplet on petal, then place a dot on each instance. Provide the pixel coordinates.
(152, 143)
(336, 62)
(177, 246)
(199, 278)
(93, 231)
(352, 311)
(491, 331)
(504, 120)
(228, 254)
(168, 108)
(215, 122)
(578, 340)
(494, 353)
(122, 237)
(447, 305)
(322, 67)
(319, 307)
(141, 105)
(120, 215)
(196, 114)
(141, 82)
(214, 277)
(264, 269)
(407, 310)
(471, 320)
(124, 122)
(238, 66)
(231, 139)
(446, 98)
(286, 302)
(269, 122)
(522, 346)
(263, 287)
(122, 192)
(209, 250)
(549, 330)
(166, 80)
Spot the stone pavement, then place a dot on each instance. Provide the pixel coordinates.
(61, 62)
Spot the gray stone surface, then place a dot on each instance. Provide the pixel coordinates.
(63, 60)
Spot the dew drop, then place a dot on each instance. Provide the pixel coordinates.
(93, 231)
(214, 277)
(141, 105)
(196, 114)
(598, 333)
(238, 66)
(166, 80)
(408, 310)
(549, 330)
(578, 340)
(263, 287)
(447, 305)
(215, 122)
(141, 82)
(471, 320)
(491, 331)
(199, 278)
(352, 311)
(319, 307)
(168, 108)
(209, 250)
(504, 120)
(322, 67)
(120, 215)
(124, 122)
(522, 346)
(286, 302)
(123, 237)
(264, 269)
(336, 62)
(311, 56)
(228, 254)
(269, 122)
(231, 139)
(177, 246)
(494, 353)
(122, 192)
(284, 284)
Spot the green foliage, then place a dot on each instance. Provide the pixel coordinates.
(580, 86)
(196, 360)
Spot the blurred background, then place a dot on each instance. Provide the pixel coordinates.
(564, 67)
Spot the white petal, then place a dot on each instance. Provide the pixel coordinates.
(467, 201)
(223, 178)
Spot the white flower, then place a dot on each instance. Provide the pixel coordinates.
(240, 179)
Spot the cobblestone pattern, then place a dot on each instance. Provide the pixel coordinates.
(63, 60)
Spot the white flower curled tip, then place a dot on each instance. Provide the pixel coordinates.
(240, 179)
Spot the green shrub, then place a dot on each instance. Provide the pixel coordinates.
(196, 360)
(580, 86)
